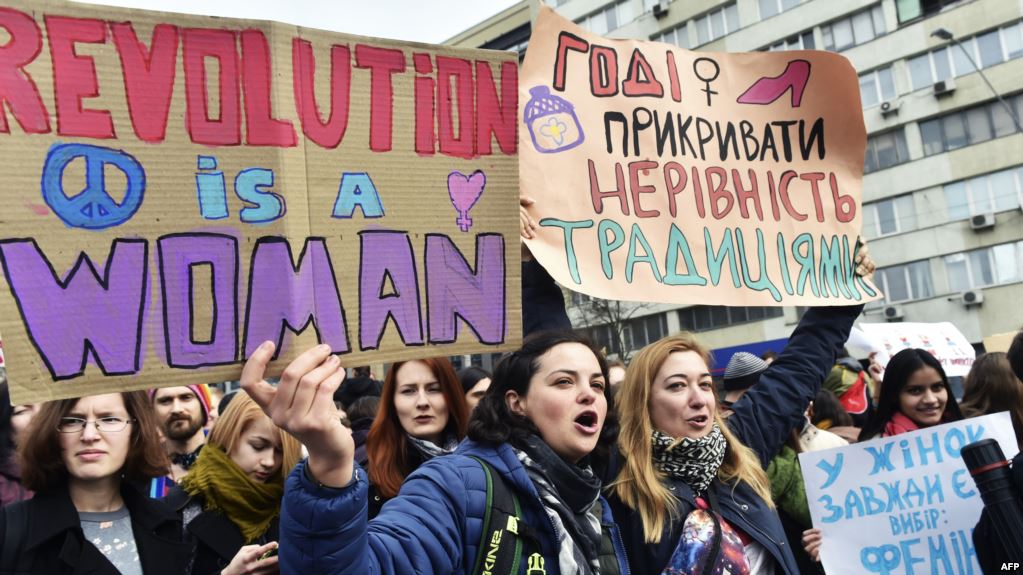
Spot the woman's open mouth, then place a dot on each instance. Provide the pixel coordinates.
(699, 422)
(588, 422)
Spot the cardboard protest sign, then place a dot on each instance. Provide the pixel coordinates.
(999, 341)
(666, 175)
(903, 504)
(942, 340)
(179, 189)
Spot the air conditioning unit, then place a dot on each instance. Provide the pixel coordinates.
(982, 221)
(892, 313)
(946, 86)
(973, 297)
(889, 107)
(661, 9)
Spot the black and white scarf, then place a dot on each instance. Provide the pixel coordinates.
(693, 461)
(428, 449)
(569, 494)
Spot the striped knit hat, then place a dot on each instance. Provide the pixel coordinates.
(201, 391)
(743, 371)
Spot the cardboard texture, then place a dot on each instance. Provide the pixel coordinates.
(666, 175)
(999, 342)
(942, 340)
(179, 189)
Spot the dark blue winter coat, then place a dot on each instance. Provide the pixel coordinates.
(434, 525)
(762, 420)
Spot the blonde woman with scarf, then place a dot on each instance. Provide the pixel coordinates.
(230, 501)
(691, 495)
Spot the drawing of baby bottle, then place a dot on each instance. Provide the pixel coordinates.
(552, 122)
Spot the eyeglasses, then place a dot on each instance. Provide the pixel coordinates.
(103, 424)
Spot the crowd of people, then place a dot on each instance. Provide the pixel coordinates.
(559, 462)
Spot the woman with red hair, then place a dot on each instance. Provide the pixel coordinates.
(422, 414)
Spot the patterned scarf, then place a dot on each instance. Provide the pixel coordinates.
(568, 494)
(428, 449)
(693, 461)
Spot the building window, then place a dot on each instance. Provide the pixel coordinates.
(679, 36)
(514, 41)
(579, 298)
(877, 86)
(609, 18)
(988, 266)
(970, 126)
(913, 9)
(891, 216)
(714, 25)
(905, 282)
(885, 150)
(646, 330)
(770, 8)
(989, 193)
(802, 41)
(987, 50)
(854, 30)
(707, 317)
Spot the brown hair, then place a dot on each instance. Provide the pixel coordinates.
(639, 484)
(231, 424)
(42, 467)
(386, 447)
(991, 387)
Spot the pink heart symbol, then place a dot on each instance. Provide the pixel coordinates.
(465, 191)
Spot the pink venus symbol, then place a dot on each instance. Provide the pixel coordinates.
(465, 191)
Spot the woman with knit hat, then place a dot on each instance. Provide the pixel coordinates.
(230, 500)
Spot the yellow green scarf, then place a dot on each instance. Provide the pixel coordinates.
(225, 488)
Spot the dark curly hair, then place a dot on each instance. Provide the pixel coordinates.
(493, 422)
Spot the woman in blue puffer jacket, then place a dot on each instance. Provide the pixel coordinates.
(542, 425)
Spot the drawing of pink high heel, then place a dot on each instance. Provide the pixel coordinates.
(766, 90)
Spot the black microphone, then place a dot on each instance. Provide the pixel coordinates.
(992, 475)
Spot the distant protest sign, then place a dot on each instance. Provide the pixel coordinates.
(179, 189)
(667, 175)
(903, 504)
(942, 340)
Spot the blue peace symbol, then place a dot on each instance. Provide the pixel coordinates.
(92, 208)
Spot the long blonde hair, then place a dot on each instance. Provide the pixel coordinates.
(639, 484)
(231, 424)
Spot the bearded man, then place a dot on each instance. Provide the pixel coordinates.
(182, 413)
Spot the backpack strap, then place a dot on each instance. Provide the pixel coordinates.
(15, 531)
(505, 536)
(715, 549)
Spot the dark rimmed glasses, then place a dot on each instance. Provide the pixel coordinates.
(103, 424)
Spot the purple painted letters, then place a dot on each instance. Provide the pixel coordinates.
(65, 319)
(454, 292)
(178, 254)
(282, 295)
(388, 254)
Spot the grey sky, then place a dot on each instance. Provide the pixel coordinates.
(430, 21)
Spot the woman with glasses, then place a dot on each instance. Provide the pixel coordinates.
(230, 501)
(82, 457)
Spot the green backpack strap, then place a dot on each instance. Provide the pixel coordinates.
(504, 534)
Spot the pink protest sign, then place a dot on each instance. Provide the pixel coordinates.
(667, 175)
